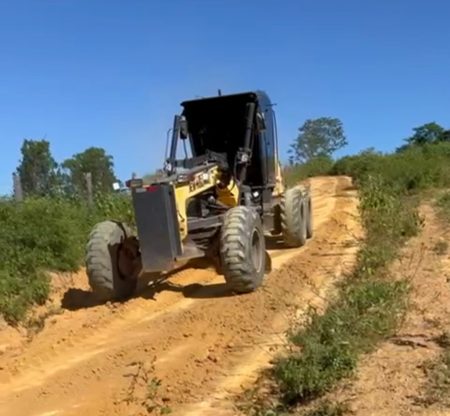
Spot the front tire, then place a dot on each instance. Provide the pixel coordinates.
(105, 252)
(242, 249)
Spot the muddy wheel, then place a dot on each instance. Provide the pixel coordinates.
(112, 261)
(309, 217)
(293, 218)
(242, 249)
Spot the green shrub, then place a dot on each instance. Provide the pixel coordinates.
(319, 166)
(115, 206)
(389, 217)
(369, 305)
(331, 343)
(416, 168)
(42, 234)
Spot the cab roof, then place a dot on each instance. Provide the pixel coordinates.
(250, 96)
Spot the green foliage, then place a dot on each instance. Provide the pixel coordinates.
(37, 169)
(49, 229)
(318, 137)
(43, 234)
(331, 343)
(118, 207)
(359, 165)
(427, 134)
(388, 217)
(414, 169)
(40, 174)
(369, 305)
(317, 166)
(95, 161)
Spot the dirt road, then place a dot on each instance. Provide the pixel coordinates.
(184, 346)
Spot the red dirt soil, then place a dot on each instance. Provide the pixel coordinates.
(186, 344)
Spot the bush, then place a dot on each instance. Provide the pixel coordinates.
(416, 168)
(43, 234)
(366, 312)
(369, 304)
(319, 166)
(115, 206)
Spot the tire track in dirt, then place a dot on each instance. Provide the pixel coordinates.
(185, 344)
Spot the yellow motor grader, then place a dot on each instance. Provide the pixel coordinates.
(221, 198)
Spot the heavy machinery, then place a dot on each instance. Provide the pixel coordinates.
(219, 199)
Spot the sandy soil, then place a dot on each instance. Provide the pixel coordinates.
(186, 344)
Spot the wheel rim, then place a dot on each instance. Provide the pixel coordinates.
(128, 258)
(256, 251)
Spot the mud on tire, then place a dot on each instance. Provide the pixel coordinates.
(242, 249)
(294, 218)
(102, 262)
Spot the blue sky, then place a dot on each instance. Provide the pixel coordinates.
(111, 73)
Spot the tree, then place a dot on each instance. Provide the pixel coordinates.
(427, 133)
(318, 137)
(445, 136)
(95, 161)
(37, 169)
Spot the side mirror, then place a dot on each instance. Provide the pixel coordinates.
(184, 131)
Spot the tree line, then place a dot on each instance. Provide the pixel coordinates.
(41, 175)
(322, 137)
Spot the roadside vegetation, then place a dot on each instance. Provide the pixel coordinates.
(367, 309)
(370, 303)
(437, 389)
(44, 234)
(47, 230)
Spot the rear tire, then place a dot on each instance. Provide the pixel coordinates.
(293, 218)
(242, 249)
(309, 218)
(102, 262)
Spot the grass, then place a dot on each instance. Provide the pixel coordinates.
(437, 390)
(332, 343)
(43, 234)
(368, 307)
(370, 303)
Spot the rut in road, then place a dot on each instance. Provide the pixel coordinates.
(186, 345)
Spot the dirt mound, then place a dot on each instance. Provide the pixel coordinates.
(184, 345)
